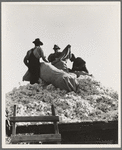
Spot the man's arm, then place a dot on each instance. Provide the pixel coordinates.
(40, 51)
(50, 58)
(44, 59)
(75, 68)
(26, 59)
(55, 61)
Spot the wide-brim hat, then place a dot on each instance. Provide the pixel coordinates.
(56, 47)
(37, 41)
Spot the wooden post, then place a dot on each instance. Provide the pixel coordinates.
(14, 123)
(55, 123)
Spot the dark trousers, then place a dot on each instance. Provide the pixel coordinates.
(34, 74)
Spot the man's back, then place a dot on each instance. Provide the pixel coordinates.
(37, 52)
(79, 65)
(79, 61)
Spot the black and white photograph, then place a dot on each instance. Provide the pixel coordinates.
(61, 82)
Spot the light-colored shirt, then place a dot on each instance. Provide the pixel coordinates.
(38, 52)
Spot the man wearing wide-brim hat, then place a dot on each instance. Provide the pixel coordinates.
(59, 59)
(53, 56)
(31, 60)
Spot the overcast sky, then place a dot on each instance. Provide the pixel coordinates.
(92, 29)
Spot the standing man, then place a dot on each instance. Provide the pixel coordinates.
(31, 60)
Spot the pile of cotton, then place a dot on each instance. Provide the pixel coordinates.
(91, 102)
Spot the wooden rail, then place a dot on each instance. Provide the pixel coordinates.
(35, 119)
(36, 138)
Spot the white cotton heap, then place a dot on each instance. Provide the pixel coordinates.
(92, 101)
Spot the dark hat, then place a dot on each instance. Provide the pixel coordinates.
(37, 41)
(56, 47)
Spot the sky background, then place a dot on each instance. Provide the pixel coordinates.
(91, 28)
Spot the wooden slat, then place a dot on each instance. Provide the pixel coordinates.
(34, 119)
(14, 123)
(36, 138)
(55, 123)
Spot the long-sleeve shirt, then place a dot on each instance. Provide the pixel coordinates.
(53, 56)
